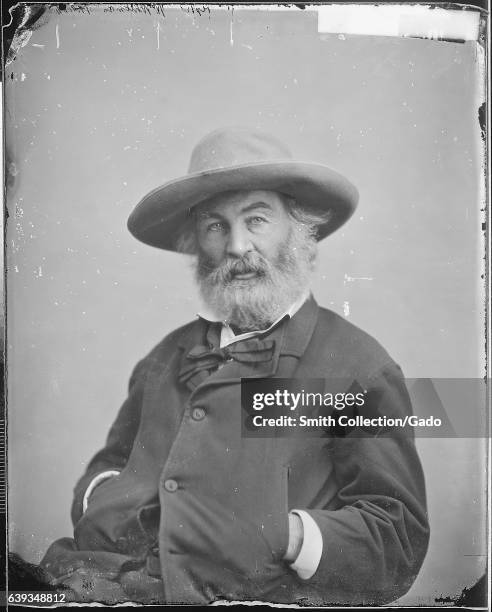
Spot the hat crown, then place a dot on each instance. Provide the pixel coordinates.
(236, 146)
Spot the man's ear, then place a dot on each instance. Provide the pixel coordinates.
(313, 255)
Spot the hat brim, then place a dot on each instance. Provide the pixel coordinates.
(160, 216)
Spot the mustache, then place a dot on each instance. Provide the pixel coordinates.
(225, 272)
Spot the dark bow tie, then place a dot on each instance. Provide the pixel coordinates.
(203, 359)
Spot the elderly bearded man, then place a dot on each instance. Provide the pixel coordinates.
(179, 506)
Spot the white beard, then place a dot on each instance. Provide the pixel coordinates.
(256, 303)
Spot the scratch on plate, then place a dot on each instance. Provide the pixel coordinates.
(351, 279)
(346, 309)
(57, 37)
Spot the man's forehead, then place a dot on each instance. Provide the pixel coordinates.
(238, 200)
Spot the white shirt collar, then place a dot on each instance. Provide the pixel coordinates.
(227, 336)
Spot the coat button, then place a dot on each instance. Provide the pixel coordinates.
(171, 485)
(198, 414)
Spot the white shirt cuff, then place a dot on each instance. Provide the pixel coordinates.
(309, 556)
(93, 484)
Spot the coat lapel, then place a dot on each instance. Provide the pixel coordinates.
(298, 334)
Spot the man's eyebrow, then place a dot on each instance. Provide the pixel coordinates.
(255, 205)
(205, 214)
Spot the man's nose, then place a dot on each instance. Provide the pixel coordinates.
(239, 241)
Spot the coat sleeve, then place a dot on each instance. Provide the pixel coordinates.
(375, 535)
(119, 441)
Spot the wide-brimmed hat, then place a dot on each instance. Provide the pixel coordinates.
(232, 159)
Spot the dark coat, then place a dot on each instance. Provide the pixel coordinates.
(214, 504)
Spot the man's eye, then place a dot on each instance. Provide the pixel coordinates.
(215, 227)
(256, 220)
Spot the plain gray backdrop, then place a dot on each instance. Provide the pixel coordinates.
(102, 106)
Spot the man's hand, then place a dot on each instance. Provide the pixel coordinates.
(296, 536)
